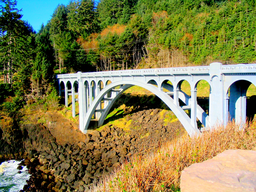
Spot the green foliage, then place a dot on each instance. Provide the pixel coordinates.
(120, 34)
(12, 107)
(115, 11)
(52, 100)
(13, 39)
(82, 18)
(5, 91)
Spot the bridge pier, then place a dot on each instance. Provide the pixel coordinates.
(193, 104)
(66, 95)
(216, 100)
(81, 100)
(73, 100)
(176, 90)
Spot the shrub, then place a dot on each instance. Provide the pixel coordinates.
(52, 100)
(12, 107)
(5, 91)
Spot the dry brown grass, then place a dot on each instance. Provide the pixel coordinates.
(117, 28)
(161, 171)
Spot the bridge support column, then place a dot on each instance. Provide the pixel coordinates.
(98, 108)
(81, 101)
(176, 94)
(193, 104)
(226, 106)
(73, 101)
(216, 100)
(66, 95)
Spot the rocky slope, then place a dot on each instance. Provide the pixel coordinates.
(61, 158)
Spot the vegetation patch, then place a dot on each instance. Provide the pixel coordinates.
(161, 171)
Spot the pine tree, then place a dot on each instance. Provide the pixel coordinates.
(82, 18)
(10, 27)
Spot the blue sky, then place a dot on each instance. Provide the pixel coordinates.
(38, 12)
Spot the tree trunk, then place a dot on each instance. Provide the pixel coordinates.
(5, 74)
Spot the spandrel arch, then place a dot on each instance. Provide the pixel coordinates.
(180, 114)
(237, 101)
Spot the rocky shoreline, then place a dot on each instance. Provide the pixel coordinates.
(79, 166)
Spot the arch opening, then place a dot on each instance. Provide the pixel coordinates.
(153, 82)
(203, 95)
(62, 92)
(99, 88)
(250, 104)
(110, 92)
(184, 87)
(86, 95)
(93, 89)
(69, 92)
(167, 87)
(74, 94)
(237, 107)
(75, 85)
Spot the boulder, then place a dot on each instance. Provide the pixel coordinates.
(70, 178)
(232, 170)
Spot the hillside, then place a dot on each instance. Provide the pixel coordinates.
(126, 34)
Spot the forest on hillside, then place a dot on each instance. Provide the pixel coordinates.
(122, 34)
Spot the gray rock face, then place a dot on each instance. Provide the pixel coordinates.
(232, 170)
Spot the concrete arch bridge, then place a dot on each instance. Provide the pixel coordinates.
(98, 91)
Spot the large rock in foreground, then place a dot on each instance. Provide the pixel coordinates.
(232, 170)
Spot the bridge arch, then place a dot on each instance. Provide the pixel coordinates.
(74, 92)
(177, 110)
(68, 85)
(203, 86)
(109, 95)
(108, 82)
(167, 85)
(86, 94)
(92, 90)
(182, 85)
(68, 89)
(153, 82)
(236, 101)
(100, 86)
(75, 86)
(61, 88)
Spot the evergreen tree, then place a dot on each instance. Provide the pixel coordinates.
(43, 64)
(11, 28)
(82, 18)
